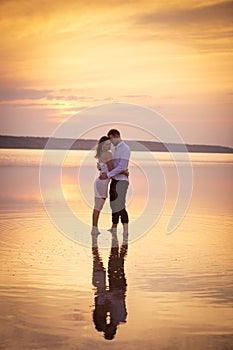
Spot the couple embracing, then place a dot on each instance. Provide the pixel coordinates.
(113, 169)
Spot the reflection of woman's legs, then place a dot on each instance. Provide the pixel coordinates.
(99, 203)
(99, 281)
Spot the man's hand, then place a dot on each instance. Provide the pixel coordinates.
(103, 176)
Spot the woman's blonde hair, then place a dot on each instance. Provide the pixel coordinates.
(99, 147)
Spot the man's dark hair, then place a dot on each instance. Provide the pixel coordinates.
(114, 132)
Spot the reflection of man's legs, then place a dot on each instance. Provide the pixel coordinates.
(117, 287)
(116, 273)
(118, 191)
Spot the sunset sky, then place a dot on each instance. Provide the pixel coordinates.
(58, 57)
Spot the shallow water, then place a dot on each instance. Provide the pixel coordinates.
(179, 286)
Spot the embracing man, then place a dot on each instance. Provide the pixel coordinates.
(119, 182)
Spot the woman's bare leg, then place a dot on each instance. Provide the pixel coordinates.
(95, 217)
(99, 203)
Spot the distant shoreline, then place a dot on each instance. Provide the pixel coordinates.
(33, 142)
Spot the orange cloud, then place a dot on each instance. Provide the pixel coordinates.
(68, 55)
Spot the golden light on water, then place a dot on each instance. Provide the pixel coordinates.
(178, 285)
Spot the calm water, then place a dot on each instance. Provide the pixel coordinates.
(171, 291)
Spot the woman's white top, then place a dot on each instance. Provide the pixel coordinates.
(101, 186)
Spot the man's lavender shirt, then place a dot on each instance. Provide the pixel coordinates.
(120, 158)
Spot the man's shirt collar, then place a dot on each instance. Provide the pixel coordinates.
(120, 143)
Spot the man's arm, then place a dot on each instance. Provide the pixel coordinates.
(122, 164)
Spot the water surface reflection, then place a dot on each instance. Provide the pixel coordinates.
(110, 301)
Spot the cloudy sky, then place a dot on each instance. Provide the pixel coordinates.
(59, 57)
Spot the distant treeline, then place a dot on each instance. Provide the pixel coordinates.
(30, 142)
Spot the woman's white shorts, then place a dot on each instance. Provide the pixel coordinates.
(101, 188)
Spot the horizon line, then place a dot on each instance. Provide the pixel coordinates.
(83, 139)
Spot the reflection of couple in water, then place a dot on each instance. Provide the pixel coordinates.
(110, 308)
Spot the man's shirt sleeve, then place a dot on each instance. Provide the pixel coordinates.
(122, 164)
